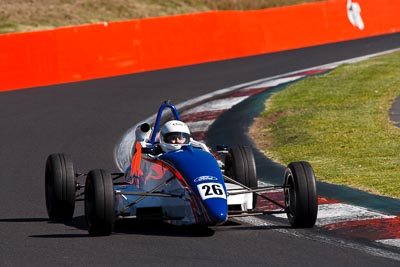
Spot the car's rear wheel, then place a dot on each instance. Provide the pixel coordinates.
(301, 198)
(99, 203)
(240, 166)
(60, 187)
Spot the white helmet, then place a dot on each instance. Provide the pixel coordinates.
(174, 134)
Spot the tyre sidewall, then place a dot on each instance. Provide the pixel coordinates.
(99, 203)
(60, 187)
(301, 197)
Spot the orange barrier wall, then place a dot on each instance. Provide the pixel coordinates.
(102, 50)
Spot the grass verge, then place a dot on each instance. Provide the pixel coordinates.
(339, 122)
(23, 15)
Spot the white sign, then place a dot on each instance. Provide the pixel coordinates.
(354, 14)
(211, 190)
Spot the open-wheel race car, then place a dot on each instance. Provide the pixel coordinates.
(186, 185)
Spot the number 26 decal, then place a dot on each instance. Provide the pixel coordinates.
(211, 190)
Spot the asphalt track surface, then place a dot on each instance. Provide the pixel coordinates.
(87, 119)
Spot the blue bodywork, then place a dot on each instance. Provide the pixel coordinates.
(192, 178)
(203, 175)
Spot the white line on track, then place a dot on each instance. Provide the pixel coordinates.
(275, 82)
(199, 126)
(312, 235)
(390, 242)
(218, 104)
(340, 212)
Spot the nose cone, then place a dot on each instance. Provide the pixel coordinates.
(217, 210)
(219, 218)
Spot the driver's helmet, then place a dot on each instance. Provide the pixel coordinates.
(174, 134)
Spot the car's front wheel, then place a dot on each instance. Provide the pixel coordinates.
(99, 203)
(240, 166)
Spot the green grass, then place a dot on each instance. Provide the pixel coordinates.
(22, 15)
(339, 122)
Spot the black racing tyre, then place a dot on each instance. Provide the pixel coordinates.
(301, 198)
(99, 203)
(240, 166)
(60, 187)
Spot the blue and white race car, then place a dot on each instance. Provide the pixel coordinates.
(181, 183)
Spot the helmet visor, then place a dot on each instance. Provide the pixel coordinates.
(176, 138)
